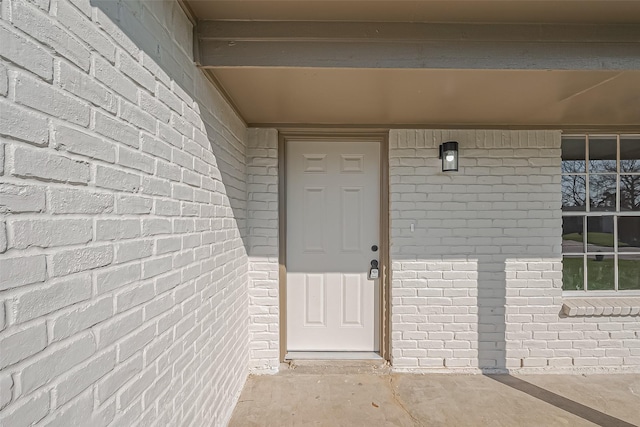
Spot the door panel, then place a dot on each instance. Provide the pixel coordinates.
(314, 220)
(333, 213)
(350, 214)
(315, 300)
(352, 300)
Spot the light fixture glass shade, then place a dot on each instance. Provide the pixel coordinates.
(449, 156)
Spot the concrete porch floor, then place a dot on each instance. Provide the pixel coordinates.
(349, 395)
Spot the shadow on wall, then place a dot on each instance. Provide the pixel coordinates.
(468, 294)
(463, 298)
(219, 131)
(492, 288)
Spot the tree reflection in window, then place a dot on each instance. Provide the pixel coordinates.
(574, 191)
(629, 164)
(601, 213)
(574, 188)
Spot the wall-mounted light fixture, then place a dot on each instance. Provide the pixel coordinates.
(449, 156)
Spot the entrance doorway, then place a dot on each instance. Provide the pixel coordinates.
(333, 245)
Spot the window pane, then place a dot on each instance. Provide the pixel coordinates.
(572, 273)
(572, 234)
(630, 154)
(600, 234)
(574, 193)
(629, 234)
(602, 154)
(573, 154)
(600, 272)
(630, 192)
(629, 272)
(602, 192)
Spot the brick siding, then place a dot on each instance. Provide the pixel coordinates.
(478, 284)
(262, 207)
(123, 269)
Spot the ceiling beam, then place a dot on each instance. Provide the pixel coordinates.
(413, 31)
(417, 45)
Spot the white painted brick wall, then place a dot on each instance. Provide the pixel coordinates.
(123, 197)
(262, 207)
(478, 283)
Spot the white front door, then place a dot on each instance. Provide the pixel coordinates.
(333, 211)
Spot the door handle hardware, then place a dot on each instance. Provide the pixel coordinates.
(374, 273)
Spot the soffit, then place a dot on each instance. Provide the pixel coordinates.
(516, 11)
(392, 97)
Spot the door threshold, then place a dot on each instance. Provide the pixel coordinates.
(334, 363)
(332, 355)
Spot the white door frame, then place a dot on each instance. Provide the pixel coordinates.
(385, 280)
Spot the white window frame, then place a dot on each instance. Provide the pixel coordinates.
(587, 213)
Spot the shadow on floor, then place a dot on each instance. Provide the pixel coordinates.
(561, 402)
(363, 397)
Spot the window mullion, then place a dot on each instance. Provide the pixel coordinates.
(615, 219)
(587, 196)
(618, 173)
(615, 254)
(584, 254)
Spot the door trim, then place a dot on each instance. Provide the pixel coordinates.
(385, 272)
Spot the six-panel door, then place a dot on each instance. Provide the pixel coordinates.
(332, 217)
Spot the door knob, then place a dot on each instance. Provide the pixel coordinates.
(374, 263)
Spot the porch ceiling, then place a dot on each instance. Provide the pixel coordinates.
(501, 64)
(390, 97)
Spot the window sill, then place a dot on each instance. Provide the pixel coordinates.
(601, 306)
